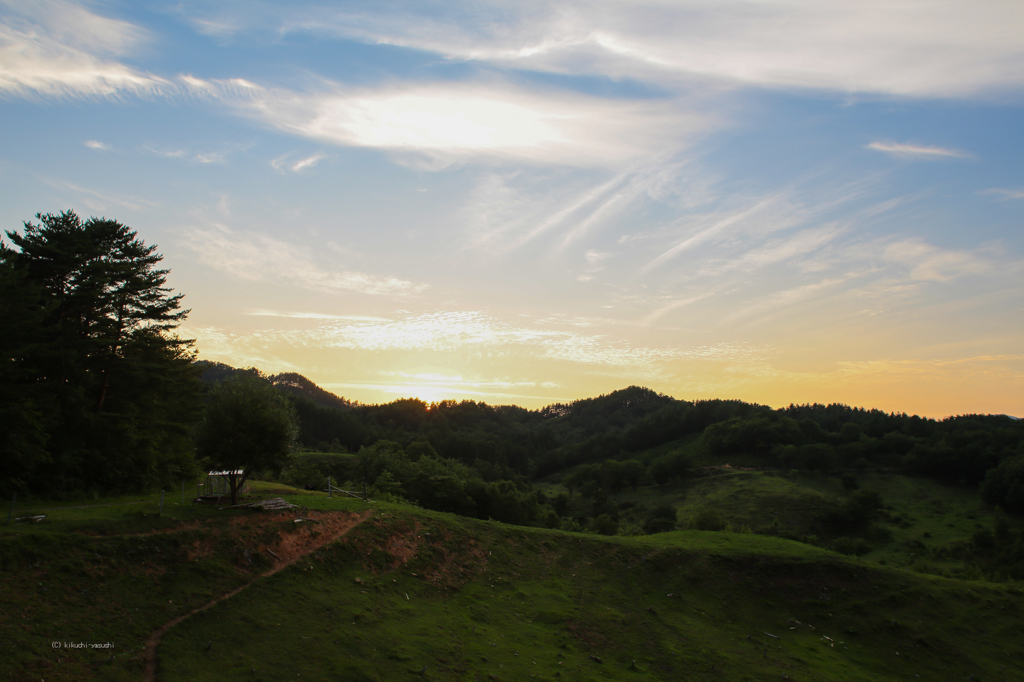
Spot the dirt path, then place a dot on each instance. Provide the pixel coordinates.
(286, 556)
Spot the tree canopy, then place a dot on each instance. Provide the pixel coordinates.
(100, 391)
(248, 426)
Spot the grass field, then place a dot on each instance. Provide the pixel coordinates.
(919, 519)
(409, 594)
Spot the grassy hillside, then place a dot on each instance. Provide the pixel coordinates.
(407, 593)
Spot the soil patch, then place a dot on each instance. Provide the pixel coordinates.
(320, 529)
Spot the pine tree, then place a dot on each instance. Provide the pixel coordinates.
(118, 382)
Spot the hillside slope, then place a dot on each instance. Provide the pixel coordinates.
(448, 598)
(408, 593)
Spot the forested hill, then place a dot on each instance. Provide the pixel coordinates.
(290, 382)
(635, 423)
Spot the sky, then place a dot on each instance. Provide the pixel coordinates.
(780, 201)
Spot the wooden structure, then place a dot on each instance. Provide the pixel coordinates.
(217, 485)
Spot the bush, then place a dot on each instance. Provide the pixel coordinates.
(570, 524)
(661, 520)
(302, 472)
(707, 519)
(849, 546)
(856, 512)
(605, 525)
(1004, 485)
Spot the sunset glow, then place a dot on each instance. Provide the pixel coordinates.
(530, 203)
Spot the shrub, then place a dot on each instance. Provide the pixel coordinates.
(1004, 485)
(302, 472)
(662, 519)
(850, 546)
(707, 519)
(856, 512)
(605, 525)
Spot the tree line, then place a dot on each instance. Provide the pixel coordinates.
(99, 393)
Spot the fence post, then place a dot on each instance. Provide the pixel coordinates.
(161, 503)
(364, 490)
(329, 493)
(11, 513)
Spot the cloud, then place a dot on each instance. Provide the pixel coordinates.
(102, 201)
(283, 161)
(935, 49)
(761, 215)
(916, 151)
(198, 157)
(439, 124)
(257, 257)
(307, 162)
(59, 48)
(475, 332)
(95, 144)
(1004, 193)
(507, 211)
(315, 316)
(673, 305)
(777, 250)
(785, 299)
(932, 263)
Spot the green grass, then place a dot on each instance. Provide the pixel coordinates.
(924, 516)
(478, 600)
(920, 528)
(742, 499)
(411, 592)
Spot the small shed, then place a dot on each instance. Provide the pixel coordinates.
(217, 484)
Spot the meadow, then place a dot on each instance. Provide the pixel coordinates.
(343, 589)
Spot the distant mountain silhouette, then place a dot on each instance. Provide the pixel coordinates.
(296, 384)
(288, 382)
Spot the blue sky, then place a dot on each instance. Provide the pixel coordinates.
(532, 202)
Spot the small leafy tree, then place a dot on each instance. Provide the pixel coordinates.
(707, 519)
(1004, 485)
(632, 471)
(662, 519)
(249, 426)
(605, 525)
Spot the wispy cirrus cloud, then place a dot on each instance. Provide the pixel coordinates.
(258, 257)
(314, 316)
(186, 155)
(1004, 193)
(96, 144)
(307, 162)
(914, 151)
(785, 299)
(101, 200)
(60, 48)
(286, 162)
(929, 262)
(507, 211)
(777, 250)
(754, 217)
(942, 48)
